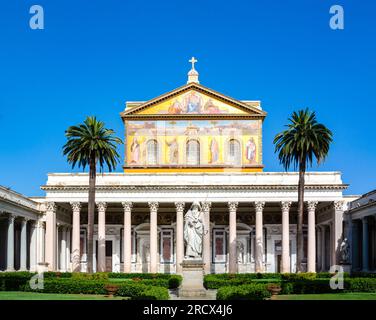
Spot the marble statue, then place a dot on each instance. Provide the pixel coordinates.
(345, 251)
(193, 232)
(240, 251)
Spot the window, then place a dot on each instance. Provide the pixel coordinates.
(193, 152)
(152, 152)
(234, 152)
(219, 246)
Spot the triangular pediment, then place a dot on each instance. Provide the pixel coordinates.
(193, 100)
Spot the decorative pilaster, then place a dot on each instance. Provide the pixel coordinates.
(180, 206)
(259, 250)
(127, 236)
(10, 243)
(206, 254)
(51, 236)
(76, 254)
(337, 229)
(101, 258)
(311, 260)
(233, 262)
(153, 236)
(41, 241)
(285, 207)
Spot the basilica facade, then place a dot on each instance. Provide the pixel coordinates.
(192, 144)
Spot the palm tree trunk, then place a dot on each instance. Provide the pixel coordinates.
(299, 233)
(90, 214)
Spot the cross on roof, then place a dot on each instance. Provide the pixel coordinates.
(193, 61)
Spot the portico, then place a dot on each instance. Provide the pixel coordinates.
(247, 229)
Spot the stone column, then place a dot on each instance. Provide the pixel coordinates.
(206, 254)
(23, 247)
(311, 259)
(365, 244)
(76, 254)
(41, 242)
(259, 252)
(58, 244)
(233, 262)
(101, 254)
(285, 263)
(319, 246)
(127, 236)
(153, 237)
(180, 235)
(337, 232)
(63, 249)
(33, 246)
(51, 235)
(67, 250)
(10, 244)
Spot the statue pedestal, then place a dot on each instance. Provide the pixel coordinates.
(193, 279)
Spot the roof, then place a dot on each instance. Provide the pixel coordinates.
(251, 108)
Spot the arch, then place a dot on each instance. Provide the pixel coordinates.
(152, 152)
(193, 152)
(234, 154)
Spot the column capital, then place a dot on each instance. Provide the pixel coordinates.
(338, 205)
(180, 206)
(365, 220)
(232, 206)
(206, 205)
(101, 205)
(311, 205)
(76, 206)
(259, 205)
(40, 224)
(286, 205)
(127, 206)
(24, 220)
(153, 205)
(51, 206)
(11, 217)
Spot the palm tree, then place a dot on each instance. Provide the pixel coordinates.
(303, 140)
(91, 144)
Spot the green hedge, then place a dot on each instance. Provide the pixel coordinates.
(360, 285)
(77, 286)
(70, 286)
(363, 275)
(143, 292)
(14, 281)
(170, 281)
(244, 292)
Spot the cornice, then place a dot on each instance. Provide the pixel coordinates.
(195, 187)
(198, 87)
(14, 198)
(171, 117)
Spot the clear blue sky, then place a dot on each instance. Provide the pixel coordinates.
(94, 55)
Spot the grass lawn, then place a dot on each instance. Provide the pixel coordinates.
(19, 295)
(328, 296)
